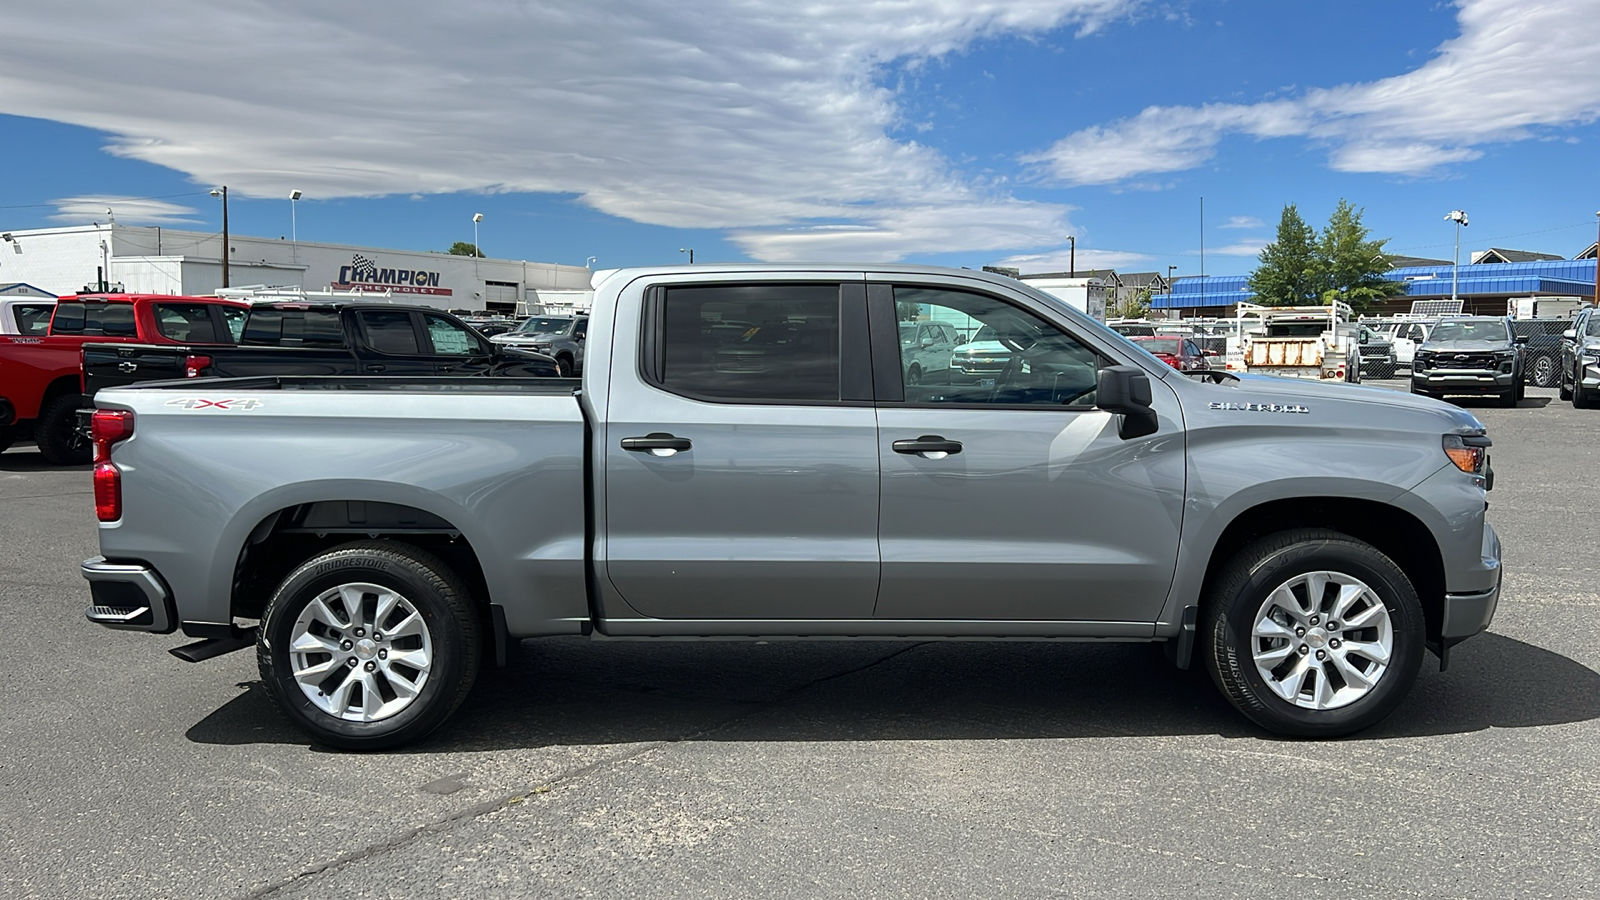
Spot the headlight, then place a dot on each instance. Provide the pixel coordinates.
(1469, 452)
(1593, 352)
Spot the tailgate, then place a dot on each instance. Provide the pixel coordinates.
(114, 365)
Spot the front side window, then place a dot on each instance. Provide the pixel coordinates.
(185, 322)
(449, 338)
(390, 331)
(292, 327)
(1014, 357)
(750, 343)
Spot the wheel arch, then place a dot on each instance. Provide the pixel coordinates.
(1394, 531)
(290, 534)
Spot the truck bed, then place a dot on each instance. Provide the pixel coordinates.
(432, 384)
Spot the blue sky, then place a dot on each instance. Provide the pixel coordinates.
(957, 133)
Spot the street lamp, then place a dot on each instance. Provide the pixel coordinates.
(1597, 262)
(588, 262)
(690, 251)
(1072, 264)
(294, 231)
(1460, 218)
(476, 250)
(223, 193)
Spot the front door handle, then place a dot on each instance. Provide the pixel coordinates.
(657, 443)
(929, 446)
(375, 368)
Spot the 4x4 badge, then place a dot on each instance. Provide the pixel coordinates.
(1262, 407)
(230, 405)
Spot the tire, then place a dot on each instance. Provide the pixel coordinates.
(1544, 372)
(914, 374)
(1562, 390)
(57, 432)
(447, 636)
(1522, 389)
(564, 366)
(1580, 396)
(1508, 398)
(6, 437)
(1261, 582)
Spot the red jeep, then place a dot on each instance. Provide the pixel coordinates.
(41, 376)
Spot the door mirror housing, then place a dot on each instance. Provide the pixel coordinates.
(1522, 339)
(1125, 390)
(1570, 334)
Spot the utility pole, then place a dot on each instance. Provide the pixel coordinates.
(1072, 258)
(1597, 262)
(223, 193)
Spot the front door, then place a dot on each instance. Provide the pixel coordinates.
(1006, 493)
(741, 465)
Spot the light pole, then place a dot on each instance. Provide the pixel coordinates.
(588, 262)
(294, 231)
(1460, 218)
(223, 193)
(476, 250)
(690, 251)
(1597, 262)
(1072, 258)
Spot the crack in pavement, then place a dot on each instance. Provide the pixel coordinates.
(509, 800)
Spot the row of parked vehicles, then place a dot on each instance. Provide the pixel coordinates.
(56, 355)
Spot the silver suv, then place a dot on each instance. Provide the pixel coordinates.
(1580, 359)
(1470, 355)
(559, 337)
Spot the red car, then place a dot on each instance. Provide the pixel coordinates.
(41, 376)
(1177, 351)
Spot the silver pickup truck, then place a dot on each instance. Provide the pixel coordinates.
(745, 458)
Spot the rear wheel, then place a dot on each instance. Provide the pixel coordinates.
(57, 432)
(914, 374)
(370, 646)
(5, 438)
(1312, 633)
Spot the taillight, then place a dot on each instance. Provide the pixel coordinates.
(107, 427)
(107, 492)
(194, 364)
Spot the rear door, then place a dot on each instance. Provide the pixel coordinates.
(1010, 496)
(288, 340)
(741, 465)
(393, 343)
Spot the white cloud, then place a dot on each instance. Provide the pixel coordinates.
(1515, 70)
(1247, 247)
(762, 118)
(128, 210)
(1242, 222)
(1062, 260)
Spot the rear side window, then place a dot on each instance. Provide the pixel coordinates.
(390, 331)
(95, 320)
(33, 318)
(186, 322)
(750, 343)
(293, 327)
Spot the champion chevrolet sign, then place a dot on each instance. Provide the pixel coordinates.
(365, 275)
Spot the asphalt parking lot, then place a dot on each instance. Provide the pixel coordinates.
(826, 769)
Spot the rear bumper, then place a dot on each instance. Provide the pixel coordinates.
(128, 597)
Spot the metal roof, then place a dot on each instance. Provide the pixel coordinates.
(1559, 277)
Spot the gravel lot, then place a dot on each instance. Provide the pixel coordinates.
(797, 770)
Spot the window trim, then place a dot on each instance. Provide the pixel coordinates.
(651, 358)
(881, 312)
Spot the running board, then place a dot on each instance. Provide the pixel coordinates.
(210, 648)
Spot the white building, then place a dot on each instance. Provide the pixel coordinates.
(155, 260)
(1086, 295)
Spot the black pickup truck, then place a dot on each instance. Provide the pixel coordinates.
(293, 338)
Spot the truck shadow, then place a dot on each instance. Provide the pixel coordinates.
(566, 692)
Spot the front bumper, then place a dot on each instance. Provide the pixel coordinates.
(1463, 381)
(1591, 375)
(128, 597)
(1469, 613)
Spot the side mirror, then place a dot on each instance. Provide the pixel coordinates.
(927, 342)
(1363, 339)
(578, 337)
(1125, 390)
(1522, 339)
(1570, 334)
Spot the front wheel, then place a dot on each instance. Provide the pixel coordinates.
(564, 366)
(1580, 395)
(1312, 633)
(370, 646)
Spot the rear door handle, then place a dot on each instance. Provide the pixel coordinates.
(657, 443)
(375, 368)
(929, 446)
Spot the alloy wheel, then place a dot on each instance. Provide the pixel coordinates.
(1322, 640)
(360, 652)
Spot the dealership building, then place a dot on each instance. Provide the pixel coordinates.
(156, 260)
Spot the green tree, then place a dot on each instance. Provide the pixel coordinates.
(463, 248)
(1290, 270)
(1354, 263)
(1132, 306)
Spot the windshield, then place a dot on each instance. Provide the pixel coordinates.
(1593, 328)
(908, 334)
(1160, 345)
(544, 325)
(985, 333)
(1481, 330)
